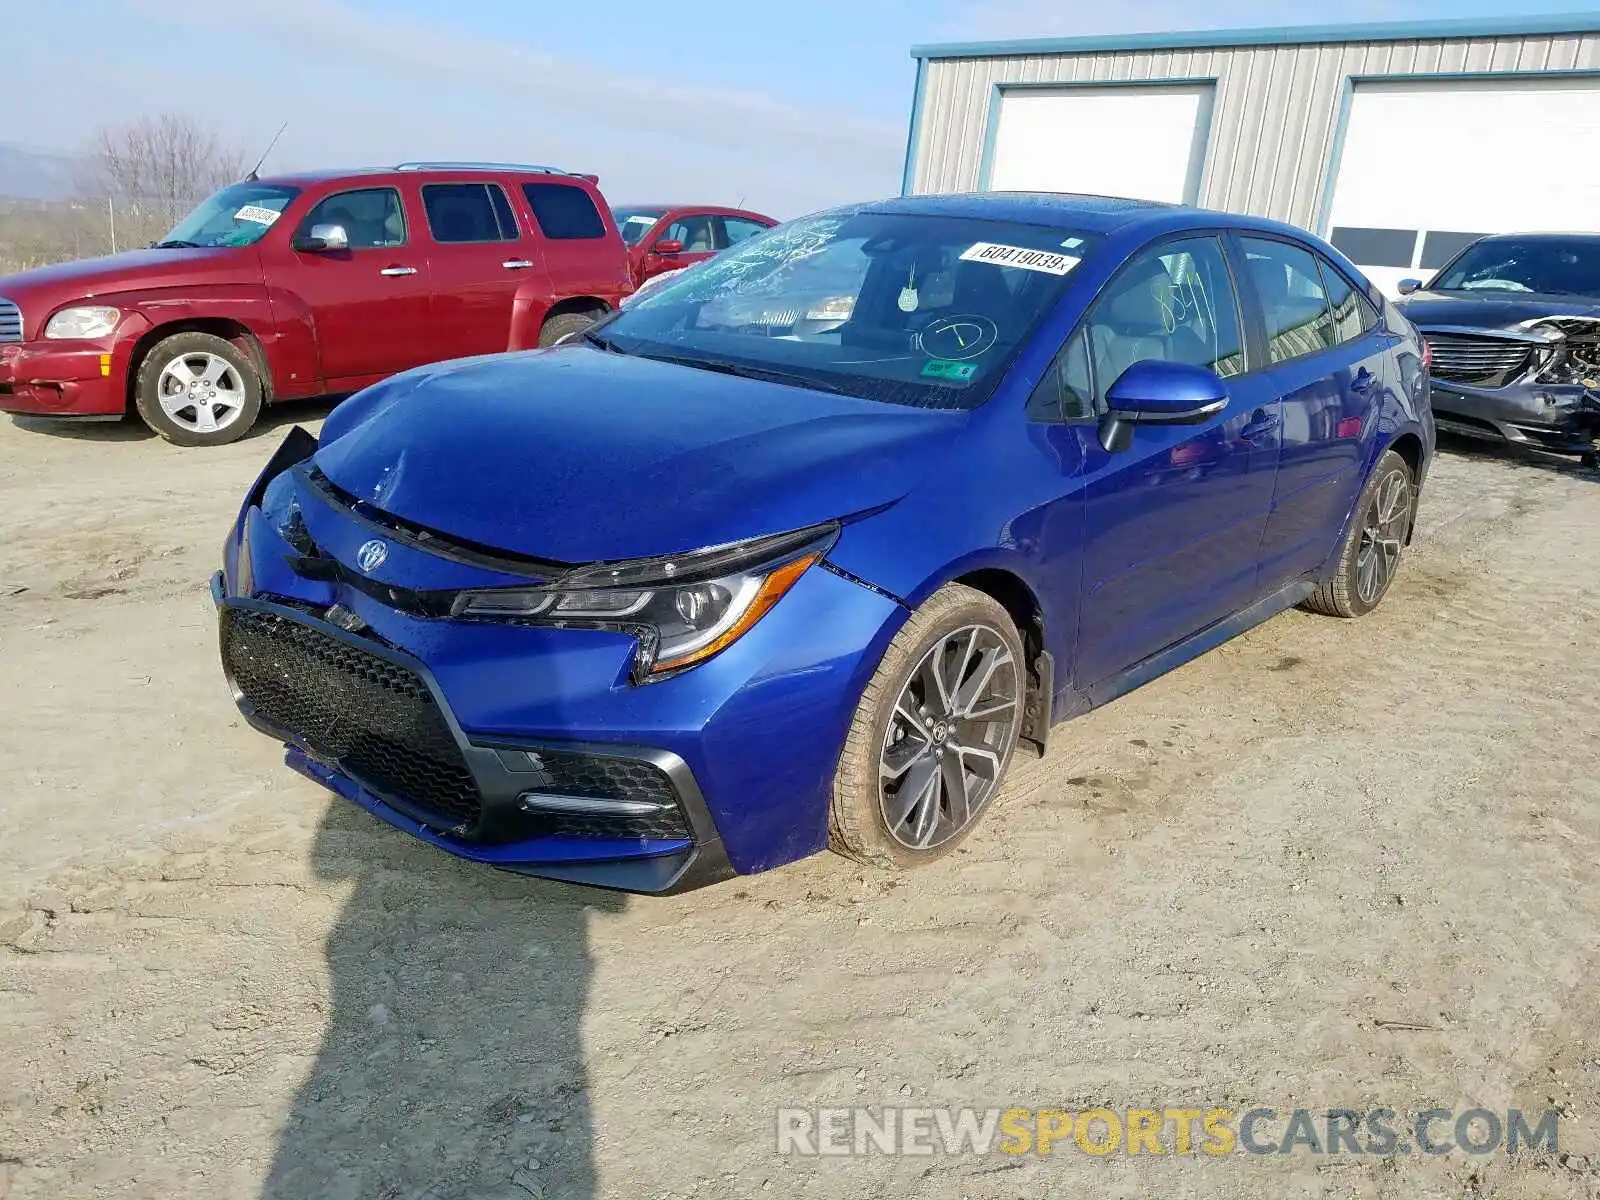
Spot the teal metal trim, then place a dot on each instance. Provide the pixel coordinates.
(1202, 132)
(908, 174)
(1347, 98)
(1383, 31)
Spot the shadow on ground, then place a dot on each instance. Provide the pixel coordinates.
(1470, 447)
(452, 1068)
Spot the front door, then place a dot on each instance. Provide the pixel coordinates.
(695, 239)
(1172, 525)
(1328, 352)
(369, 304)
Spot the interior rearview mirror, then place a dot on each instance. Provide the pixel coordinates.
(1407, 286)
(1155, 391)
(323, 239)
(668, 246)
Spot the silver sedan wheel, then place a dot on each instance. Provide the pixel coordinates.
(1383, 533)
(953, 727)
(201, 392)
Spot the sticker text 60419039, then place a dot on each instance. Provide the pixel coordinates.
(254, 212)
(1048, 261)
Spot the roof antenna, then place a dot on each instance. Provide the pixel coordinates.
(255, 171)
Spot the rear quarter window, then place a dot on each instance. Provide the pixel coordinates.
(563, 212)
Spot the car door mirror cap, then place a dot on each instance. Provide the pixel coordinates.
(1157, 392)
(323, 239)
(1407, 286)
(667, 247)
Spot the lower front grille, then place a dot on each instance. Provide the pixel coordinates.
(603, 777)
(10, 321)
(1482, 360)
(375, 718)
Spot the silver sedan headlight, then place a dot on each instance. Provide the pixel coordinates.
(90, 321)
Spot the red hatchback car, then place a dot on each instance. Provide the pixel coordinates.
(668, 237)
(305, 285)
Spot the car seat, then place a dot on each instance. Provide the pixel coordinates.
(1131, 326)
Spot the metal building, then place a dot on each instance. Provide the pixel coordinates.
(1401, 141)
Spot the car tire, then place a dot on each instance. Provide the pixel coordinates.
(958, 632)
(1369, 557)
(220, 405)
(565, 325)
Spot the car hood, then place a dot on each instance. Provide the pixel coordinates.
(1497, 310)
(578, 455)
(112, 273)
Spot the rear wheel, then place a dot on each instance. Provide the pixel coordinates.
(1370, 555)
(195, 389)
(933, 735)
(565, 325)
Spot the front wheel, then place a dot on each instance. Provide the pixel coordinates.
(565, 327)
(195, 389)
(933, 734)
(1370, 554)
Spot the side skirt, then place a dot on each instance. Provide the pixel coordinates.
(1074, 703)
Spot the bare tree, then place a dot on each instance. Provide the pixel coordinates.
(154, 169)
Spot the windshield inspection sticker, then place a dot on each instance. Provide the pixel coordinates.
(955, 372)
(254, 212)
(1047, 261)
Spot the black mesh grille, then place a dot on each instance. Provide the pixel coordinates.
(1489, 361)
(375, 718)
(574, 774)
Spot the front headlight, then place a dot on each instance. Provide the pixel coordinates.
(92, 321)
(683, 608)
(834, 308)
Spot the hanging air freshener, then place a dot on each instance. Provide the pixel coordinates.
(908, 294)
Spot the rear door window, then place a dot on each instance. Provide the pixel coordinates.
(1353, 314)
(738, 229)
(564, 212)
(1293, 300)
(468, 212)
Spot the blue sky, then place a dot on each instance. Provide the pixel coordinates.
(787, 106)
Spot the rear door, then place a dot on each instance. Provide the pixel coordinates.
(478, 260)
(1172, 526)
(1328, 352)
(369, 304)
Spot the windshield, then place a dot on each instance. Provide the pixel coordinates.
(1547, 265)
(634, 223)
(236, 216)
(903, 308)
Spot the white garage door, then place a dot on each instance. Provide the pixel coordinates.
(1427, 167)
(1144, 142)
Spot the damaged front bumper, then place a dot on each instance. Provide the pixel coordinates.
(1536, 385)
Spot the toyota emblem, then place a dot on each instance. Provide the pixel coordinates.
(372, 555)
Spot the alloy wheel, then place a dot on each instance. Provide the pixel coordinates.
(1383, 533)
(201, 392)
(948, 740)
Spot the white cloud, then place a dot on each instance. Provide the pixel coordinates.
(986, 19)
(653, 138)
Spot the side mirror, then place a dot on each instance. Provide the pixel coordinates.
(1155, 391)
(1407, 286)
(667, 247)
(323, 239)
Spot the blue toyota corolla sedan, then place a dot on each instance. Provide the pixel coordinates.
(783, 558)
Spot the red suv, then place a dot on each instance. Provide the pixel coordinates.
(305, 285)
(668, 237)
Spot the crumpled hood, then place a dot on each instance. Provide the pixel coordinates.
(579, 455)
(1491, 310)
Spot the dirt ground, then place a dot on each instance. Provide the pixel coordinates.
(218, 981)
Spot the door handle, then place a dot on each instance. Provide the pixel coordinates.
(1261, 424)
(516, 264)
(398, 271)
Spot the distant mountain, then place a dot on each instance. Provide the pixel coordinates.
(27, 174)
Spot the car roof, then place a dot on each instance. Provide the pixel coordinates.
(716, 209)
(1542, 236)
(426, 172)
(1081, 212)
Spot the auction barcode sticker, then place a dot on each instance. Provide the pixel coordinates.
(1047, 261)
(254, 212)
